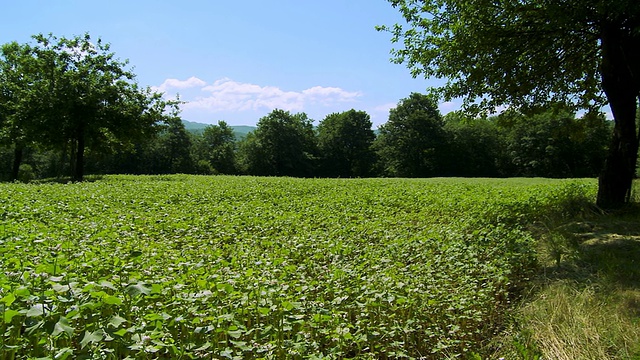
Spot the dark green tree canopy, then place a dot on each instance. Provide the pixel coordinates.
(413, 142)
(531, 52)
(344, 142)
(74, 93)
(476, 146)
(20, 94)
(283, 144)
(554, 143)
(526, 52)
(218, 146)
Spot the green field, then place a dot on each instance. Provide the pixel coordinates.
(245, 267)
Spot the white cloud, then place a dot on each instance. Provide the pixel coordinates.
(384, 108)
(328, 95)
(226, 95)
(170, 84)
(448, 106)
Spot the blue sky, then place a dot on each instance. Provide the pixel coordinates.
(238, 60)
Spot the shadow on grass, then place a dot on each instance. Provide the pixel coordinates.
(616, 258)
(585, 303)
(603, 249)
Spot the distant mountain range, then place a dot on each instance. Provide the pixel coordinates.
(240, 131)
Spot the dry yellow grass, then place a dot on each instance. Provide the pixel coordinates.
(569, 322)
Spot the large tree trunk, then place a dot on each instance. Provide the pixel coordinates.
(620, 83)
(78, 173)
(17, 160)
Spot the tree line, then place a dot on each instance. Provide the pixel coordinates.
(416, 141)
(70, 107)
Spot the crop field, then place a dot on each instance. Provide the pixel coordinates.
(245, 267)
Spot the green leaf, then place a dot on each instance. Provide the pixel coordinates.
(156, 288)
(91, 337)
(137, 289)
(121, 332)
(135, 253)
(36, 310)
(9, 314)
(116, 321)
(107, 284)
(59, 288)
(204, 347)
(22, 292)
(112, 300)
(63, 353)
(9, 299)
(62, 326)
(242, 345)
(264, 310)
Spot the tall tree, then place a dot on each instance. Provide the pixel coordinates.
(518, 53)
(172, 151)
(283, 144)
(413, 142)
(218, 146)
(344, 142)
(21, 99)
(81, 97)
(476, 148)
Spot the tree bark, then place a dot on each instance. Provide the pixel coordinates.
(17, 160)
(78, 173)
(620, 83)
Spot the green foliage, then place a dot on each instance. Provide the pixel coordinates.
(73, 93)
(239, 267)
(509, 53)
(529, 53)
(218, 147)
(477, 147)
(413, 142)
(345, 140)
(173, 148)
(554, 143)
(283, 144)
(26, 173)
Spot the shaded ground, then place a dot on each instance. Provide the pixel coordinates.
(587, 305)
(605, 247)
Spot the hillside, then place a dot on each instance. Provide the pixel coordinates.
(240, 131)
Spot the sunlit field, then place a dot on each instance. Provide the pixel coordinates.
(246, 267)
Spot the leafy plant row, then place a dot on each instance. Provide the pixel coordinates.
(244, 267)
